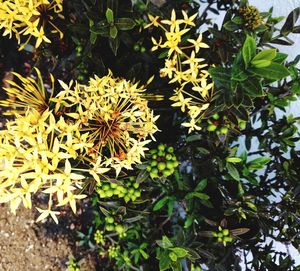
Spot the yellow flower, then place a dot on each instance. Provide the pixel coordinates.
(174, 22)
(30, 93)
(153, 21)
(28, 18)
(198, 43)
(189, 20)
(194, 91)
(92, 129)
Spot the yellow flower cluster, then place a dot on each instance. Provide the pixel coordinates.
(29, 18)
(58, 145)
(183, 67)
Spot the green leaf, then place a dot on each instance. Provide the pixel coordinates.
(233, 159)
(93, 38)
(201, 185)
(114, 45)
(176, 266)
(233, 172)
(274, 72)
(144, 254)
(237, 20)
(101, 28)
(261, 63)
(164, 261)
(109, 14)
(280, 57)
(253, 87)
(113, 32)
(220, 74)
(180, 252)
(197, 195)
(164, 243)
(161, 203)
(261, 160)
(269, 54)
(124, 23)
(231, 26)
(290, 22)
(248, 50)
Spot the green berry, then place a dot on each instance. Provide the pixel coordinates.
(153, 151)
(119, 229)
(154, 163)
(154, 156)
(215, 116)
(224, 130)
(170, 150)
(161, 147)
(136, 47)
(211, 127)
(169, 156)
(148, 168)
(105, 187)
(110, 227)
(175, 164)
(131, 191)
(161, 153)
(143, 49)
(137, 194)
(167, 172)
(170, 164)
(113, 185)
(133, 197)
(227, 239)
(154, 170)
(110, 219)
(109, 193)
(136, 185)
(225, 232)
(161, 166)
(220, 234)
(242, 125)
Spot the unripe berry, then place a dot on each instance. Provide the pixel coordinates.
(161, 147)
(211, 127)
(169, 156)
(215, 116)
(136, 47)
(161, 166)
(170, 149)
(119, 229)
(224, 130)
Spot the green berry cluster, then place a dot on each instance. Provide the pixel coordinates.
(112, 225)
(129, 190)
(99, 237)
(162, 161)
(72, 265)
(221, 127)
(251, 16)
(113, 251)
(223, 236)
(139, 48)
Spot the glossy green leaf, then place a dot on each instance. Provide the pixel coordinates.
(269, 54)
(248, 50)
(124, 23)
(274, 72)
(109, 14)
(252, 87)
(233, 172)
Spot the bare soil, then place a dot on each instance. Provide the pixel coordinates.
(29, 246)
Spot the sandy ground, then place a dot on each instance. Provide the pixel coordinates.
(25, 245)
